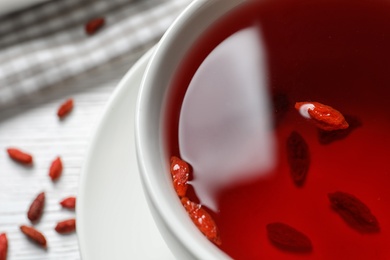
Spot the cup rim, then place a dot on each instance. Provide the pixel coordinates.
(168, 49)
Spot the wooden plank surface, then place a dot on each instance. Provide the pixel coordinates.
(32, 125)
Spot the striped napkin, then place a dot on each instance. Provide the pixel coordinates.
(46, 44)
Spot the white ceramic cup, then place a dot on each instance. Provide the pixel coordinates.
(181, 235)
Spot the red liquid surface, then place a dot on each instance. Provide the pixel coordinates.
(336, 53)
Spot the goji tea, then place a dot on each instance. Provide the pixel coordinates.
(256, 161)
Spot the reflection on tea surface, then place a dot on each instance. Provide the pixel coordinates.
(225, 117)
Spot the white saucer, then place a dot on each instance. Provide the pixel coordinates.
(113, 218)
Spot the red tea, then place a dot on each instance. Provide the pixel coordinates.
(335, 52)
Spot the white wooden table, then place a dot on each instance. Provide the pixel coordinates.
(34, 127)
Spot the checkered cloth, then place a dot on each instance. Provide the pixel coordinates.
(46, 44)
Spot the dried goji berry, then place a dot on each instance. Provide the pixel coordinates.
(36, 208)
(298, 157)
(93, 25)
(327, 137)
(202, 220)
(65, 108)
(354, 212)
(288, 238)
(69, 202)
(323, 116)
(281, 105)
(34, 235)
(55, 169)
(3, 246)
(180, 171)
(20, 156)
(66, 226)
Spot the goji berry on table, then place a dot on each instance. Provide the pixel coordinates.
(92, 26)
(3, 246)
(354, 212)
(69, 203)
(65, 108)
(34, 235)
(324, 117)
(55, 169)
(66, 226)
(202, 219)
(20, 156)
(36, 208)
(288, 238)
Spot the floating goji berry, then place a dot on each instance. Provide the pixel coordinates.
(36, 208)
(34, 235)
(92, 26)
(281, 105)
(327, 137)
(65, 108)
(66, 226)
(20, 156)
(298, 157)
(203, 220)
(55, 169)
(323, 116)
(180, 171)
(3, 246)
(354, 212)
(288, 238)
(69, 203)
